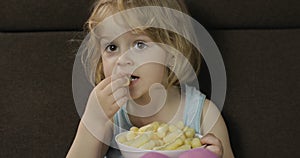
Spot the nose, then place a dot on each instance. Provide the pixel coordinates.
(125, 59)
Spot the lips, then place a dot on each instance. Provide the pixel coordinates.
(133, 79)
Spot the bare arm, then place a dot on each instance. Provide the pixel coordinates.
(95, 129)
(87, 145)
(213, 122)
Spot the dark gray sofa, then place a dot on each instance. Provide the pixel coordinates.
(259, 41)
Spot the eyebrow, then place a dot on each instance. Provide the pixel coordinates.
(104, 41)
(143, 36)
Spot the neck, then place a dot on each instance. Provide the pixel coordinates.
(169, 111)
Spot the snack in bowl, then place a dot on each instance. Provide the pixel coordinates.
(168, 139)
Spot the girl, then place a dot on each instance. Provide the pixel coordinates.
(158, 75)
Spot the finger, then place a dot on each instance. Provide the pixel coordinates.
(210, 139)
(213, 143)
(104, 83)
(113, 97)
(108, 80)
(119, 93)
(119, 103)
(114, 85)
(116, 76)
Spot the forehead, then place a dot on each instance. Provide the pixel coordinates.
(114, 28)
(116, 24)
(111, 27)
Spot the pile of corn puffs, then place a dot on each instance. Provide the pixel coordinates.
(161, 136)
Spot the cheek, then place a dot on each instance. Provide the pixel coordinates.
(162, 70)
(157, 71)
(107, 68)
(154, 54)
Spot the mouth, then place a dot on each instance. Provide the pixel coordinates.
(133, 79)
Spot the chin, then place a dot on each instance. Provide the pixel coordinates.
(134, 96)
(137, 98)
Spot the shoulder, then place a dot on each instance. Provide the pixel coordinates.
(210, 107)
(210, 116)
(192, 92)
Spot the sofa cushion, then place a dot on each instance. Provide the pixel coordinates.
(38, 116)
(261, 107)
(35, 15)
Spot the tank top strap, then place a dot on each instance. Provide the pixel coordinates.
(121, 123)
(121, 120)
(193, 107)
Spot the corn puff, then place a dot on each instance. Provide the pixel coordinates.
(189, 132)
(150, 127)
(140, 140)
(171, 136)
(180, 125)
(172, 128)
(196, 143)
(188, 141)
(184, 147)
(172, 146)
(162, 130)
(149, 145)
(134, 129)
(130, 135)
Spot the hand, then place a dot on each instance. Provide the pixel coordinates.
(104, 101)
(112, 94)
(213, 144)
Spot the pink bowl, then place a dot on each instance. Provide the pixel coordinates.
(154, 155)
(198, 153)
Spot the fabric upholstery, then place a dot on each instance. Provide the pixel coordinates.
(37, 15)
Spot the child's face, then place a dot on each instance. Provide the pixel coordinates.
(139, 57)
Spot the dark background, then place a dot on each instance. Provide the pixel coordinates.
(259, 41)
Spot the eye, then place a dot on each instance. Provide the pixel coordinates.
(111, 48)
(140, 45)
